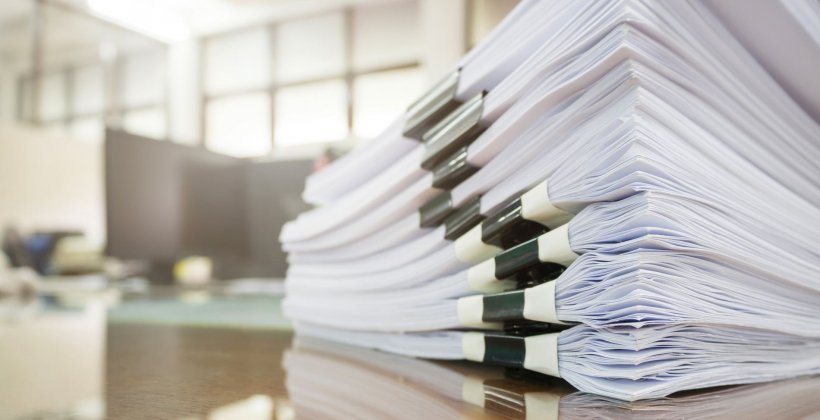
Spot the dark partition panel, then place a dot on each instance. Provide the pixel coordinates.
(165, 201)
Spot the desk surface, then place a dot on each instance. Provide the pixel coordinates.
(184, 355)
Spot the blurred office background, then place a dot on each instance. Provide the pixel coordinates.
(150, 152)
(157, 130)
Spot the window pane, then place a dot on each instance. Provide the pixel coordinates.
(90, 129)
(146, 122)
(311, 113)
(143, 79)
(88, 90)
(379, 98)
(385, 35)
(52, 99)
(310, 48)
(237, 61)
(239, 125)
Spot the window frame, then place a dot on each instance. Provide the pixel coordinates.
(348, 75)
(113, 110)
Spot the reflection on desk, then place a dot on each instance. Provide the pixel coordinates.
(51, 361)
(334, 381)
(77, 362)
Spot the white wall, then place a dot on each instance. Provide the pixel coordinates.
(48, 181)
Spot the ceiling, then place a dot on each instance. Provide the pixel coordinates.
(78, 28)
(201, 17)
(68, 37)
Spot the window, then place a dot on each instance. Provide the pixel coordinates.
(335, 77)
(310, 48)
(148, 122)
(382, 97)
(142, 82)
(75, 99)
(311, 113)
(83, 80)
(236, 62)
(88, 86)
(51, 102)
(143, 93)
(239, 125)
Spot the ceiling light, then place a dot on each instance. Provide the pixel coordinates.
(155, 18)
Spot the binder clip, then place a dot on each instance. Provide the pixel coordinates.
(458, 129)
(434, 105)
(463, 219)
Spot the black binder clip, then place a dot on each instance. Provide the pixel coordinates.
(522, 263)
(433, 212)
(504, 350)
(503, 306)
(507, 227)
(434, 105)
(458, 129)
(526, 328)
(463, 219)
(453, 171)
(517, 258)
(538, 274)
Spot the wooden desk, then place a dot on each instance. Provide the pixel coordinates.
(162, 371)
(91, 363)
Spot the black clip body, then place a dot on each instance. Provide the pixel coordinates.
(458, 129)
(428, 110)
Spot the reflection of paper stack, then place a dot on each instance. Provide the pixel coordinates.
(350, 382)
(623, 165)
(52, 364)
(623, 363)
(359, 383)
(790, 399)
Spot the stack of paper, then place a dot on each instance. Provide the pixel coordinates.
(616, 193)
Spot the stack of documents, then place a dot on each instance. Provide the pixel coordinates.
(613, 192)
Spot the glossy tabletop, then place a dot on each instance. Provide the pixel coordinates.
(184, 354)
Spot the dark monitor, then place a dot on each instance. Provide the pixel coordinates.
(165, 201)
